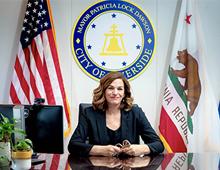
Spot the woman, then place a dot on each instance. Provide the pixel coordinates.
(111, 120)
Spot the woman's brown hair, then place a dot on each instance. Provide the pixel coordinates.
(99, 102)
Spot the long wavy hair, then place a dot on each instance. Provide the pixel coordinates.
(99, 101)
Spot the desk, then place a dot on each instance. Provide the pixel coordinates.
(177, 161)
(105, 163)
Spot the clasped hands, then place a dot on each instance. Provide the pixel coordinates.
(126, 149)
(114, 162)
(124, 155)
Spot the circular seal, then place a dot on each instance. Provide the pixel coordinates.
(113, 36)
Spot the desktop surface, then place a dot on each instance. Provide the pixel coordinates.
(181, 161)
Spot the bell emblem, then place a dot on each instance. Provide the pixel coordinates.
(113, 44)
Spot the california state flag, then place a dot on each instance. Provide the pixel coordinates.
(189, 116)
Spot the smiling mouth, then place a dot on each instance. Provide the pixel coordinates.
(115, 98)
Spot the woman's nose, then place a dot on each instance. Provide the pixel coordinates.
(115, 91)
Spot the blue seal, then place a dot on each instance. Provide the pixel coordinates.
(113, 36)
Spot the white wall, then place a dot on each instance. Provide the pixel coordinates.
(147, 88)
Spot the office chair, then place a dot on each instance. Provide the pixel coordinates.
(82, 107)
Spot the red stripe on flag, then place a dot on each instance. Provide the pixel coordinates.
(58, 71)
(13, 95)
(48, 86)
(166, 160)
(32, 78)
(22, 80)
(42, 69)
(33, 86)
(55, 162)
(44, 166)
(170, 133)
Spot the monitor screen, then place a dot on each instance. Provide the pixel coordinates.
(7, 111)
(43, 125)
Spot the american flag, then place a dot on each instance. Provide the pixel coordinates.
(37, 71)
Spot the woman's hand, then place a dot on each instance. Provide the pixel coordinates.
(107, 150)
(136, 162)
(110, 162)
(136, 150)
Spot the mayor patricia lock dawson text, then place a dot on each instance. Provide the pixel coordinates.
(113, 36)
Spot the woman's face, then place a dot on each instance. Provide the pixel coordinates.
(115, 92)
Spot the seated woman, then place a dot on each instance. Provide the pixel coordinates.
(111, 120)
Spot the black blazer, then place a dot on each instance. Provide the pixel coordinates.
(92, 126)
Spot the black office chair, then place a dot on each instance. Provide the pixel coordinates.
(82, 107)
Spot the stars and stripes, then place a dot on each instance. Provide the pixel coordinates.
(37, 72)
(36, 20)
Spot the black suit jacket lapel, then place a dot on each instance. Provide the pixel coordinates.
(124, 125)
(101, 128)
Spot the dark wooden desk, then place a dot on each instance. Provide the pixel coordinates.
(103, 163)
(177, 161)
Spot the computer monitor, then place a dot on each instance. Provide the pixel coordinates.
(43, 125)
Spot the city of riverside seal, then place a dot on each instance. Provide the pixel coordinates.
(113, 35)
